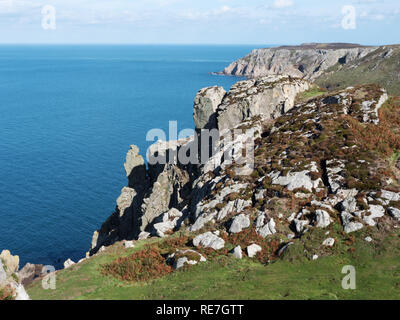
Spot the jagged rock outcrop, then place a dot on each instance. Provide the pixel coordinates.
(267, 98)
(206, 104)
(10, 285)
(152, 191)
(316, 163)
(305, 61)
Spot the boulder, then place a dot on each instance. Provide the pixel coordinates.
(168, 222)
(368, 239)
(323, 219)
(349, 204)
(143, 235)
(265, 229)
(394, 212)
(183, 257)
(68, 263)
(352, 227)
(129, 244)
(300, 225)
(239, 223)
(329, 242)
(390, 196)
(376, 211)
(296, 180)
(253, 249)
(209, 240)
(237, 252)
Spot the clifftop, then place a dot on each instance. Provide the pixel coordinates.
(333, 66)
(326, 46)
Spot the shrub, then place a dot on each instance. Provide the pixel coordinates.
(143, 265)
(7, 293)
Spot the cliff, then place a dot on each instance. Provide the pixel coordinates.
(329, 162)
(323, 190)
(293, 175)
(333, 66)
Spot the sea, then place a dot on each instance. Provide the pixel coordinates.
(68, 114)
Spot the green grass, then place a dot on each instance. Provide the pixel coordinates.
(371, 69)
(314, 92)
(292, 277)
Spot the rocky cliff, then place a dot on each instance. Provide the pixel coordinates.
(153, 192)
(329, 162)
(333, 66)
(11, 281)
(305, 61)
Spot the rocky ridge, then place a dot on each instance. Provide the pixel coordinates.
(305, 61)
(328, 163)
(11, 281)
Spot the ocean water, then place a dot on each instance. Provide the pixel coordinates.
(67, 117)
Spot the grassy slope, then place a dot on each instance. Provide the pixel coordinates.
(371, 69)
(293, 277)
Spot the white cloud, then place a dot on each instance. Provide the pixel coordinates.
(283, 3)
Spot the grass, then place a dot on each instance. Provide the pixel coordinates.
(314, 92)
(292, 277)
(371, 69)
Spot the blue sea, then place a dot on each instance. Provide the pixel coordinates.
(68, 115)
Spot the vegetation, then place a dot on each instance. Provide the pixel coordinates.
(295, 276)
(380, 67)
(314, 92)
(6, 293)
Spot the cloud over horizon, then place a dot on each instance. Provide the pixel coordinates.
(184, 21)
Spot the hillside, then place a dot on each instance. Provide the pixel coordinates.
(324, 193)
(381, 66)
(333, 66)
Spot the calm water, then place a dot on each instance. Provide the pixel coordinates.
(67, 117)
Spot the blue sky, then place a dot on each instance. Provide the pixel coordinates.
(200, 21)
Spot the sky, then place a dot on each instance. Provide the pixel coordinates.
(199, 22)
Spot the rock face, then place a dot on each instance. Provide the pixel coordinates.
(311, 169)
(206, 104)
(9, 277)
(10, 262)
(151, 192)
(307, 61)
(268, 98)
(29, 272)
